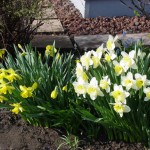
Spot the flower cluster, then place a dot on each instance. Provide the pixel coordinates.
(103, 72)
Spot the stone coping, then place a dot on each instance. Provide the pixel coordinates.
(94, 41)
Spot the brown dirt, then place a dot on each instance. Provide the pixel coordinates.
(74, 24)
(16, 134)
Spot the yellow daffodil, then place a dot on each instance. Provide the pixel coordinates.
(11, 75)
(86, 60)
(27, 91)
(54, 93)
(121, 108)
(127, 81)
(2, 73)
(58, 56)
(93, 90)
(65, 88)
(2, 98)
(147, 92)
(6, 88)
(17, 108)
(105, 84)
(80, 87)
(2, 52)
(50, 50)
(119, 94)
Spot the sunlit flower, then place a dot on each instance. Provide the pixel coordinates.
(140, 81)
(128, 60)
(96, 59)
(147, 92)
(100, 50)
(118, 68)
(93, 89)
(105, 84)
(28, 91)
(86, 60)
(65, 88)
(2, 98)
(80, 87)
(50, 50)
(110, 56)
(80, 72)
(2, 73)
(5, 88)
(119, 94)
(54, 93)
(127, 81)
(111, 42)
(121, 108)
(11, 75)
(17, 108)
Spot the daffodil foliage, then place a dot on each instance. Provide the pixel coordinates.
(36, 86)
(117, 90)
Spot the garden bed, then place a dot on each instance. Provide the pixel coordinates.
(74, 24)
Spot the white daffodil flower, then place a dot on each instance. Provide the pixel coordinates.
(111, 43)
(110, 56)
(140, 81)
(80, 87)
(80, 72)
(119, 94)
(93, 89)
(105, 84)
(86, 60)
(141, 54)
(96, 59)
(127, 81)
(118, 68)
(121, 108)
(147, 92)
(100, 50)
(128, 60)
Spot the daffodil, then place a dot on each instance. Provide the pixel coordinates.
(127, 81)
(58, 56)
(17, 108)
(2, 73)
(140, 81)
(54, 93)
(119, 94)
(65, 88)
(111, 42)
(11, 75)
(93, 89)
(27, 91)
(80, 73)
(110, 56)
(2, 52)
(5, 88)
(80, 87)
(2, 98)
(147, 92)
(50, 50)
(96, 59)
(118, 68)
(86, 60)
(100, 50)
(121, 108)
(128, 60)
(105, 84)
